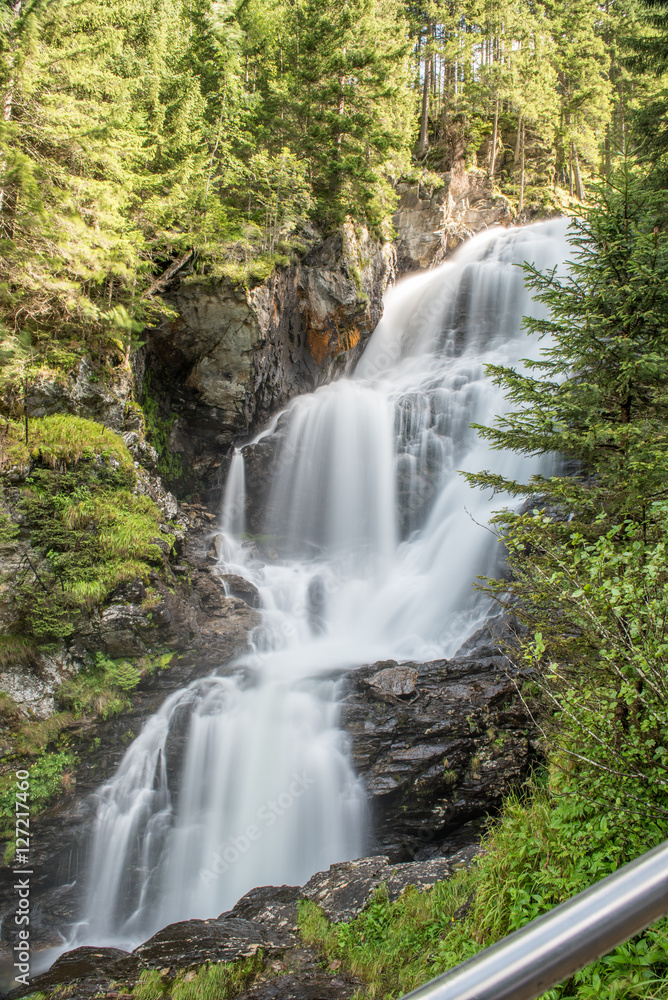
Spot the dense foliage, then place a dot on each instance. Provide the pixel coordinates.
(139, 136)
(136, 134)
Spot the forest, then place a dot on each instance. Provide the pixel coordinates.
(134, 134)
(141, 135)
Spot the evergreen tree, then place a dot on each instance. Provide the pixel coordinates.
(597, 394)
(650, 55)
(588, 556)
(355, 109)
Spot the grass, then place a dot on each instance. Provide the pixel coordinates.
(545, 849)
(60, 441)
(103, 689)
(221, 981)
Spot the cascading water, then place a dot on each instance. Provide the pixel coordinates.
(376, 543)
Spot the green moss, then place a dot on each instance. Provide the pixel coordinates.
(60, 441)
(92, 534)
(48, 779)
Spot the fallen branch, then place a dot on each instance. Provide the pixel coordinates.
(166, 276)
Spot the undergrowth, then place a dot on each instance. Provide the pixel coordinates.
(49, 777)
(547, 847)
(158, 429)
(91, 532)
(222, 981)
(103, 688)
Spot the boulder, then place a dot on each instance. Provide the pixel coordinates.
(193, 942)
(344, 891)
(246, 591)
(438, 743)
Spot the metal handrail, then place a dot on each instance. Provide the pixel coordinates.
(557, 944)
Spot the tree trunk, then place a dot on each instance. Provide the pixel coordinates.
(522, 173)
(423, 144)
(518, 142)
(570, 170)
(579, 186)
(495, 139)
(25, 406)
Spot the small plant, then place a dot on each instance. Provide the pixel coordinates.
(46, 783)
(101, 689)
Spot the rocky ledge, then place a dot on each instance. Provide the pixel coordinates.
(264, 921)
(438, 744)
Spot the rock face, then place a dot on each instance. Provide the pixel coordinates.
(82, 393)
(438, 744)
(233, 357)
(431, 223)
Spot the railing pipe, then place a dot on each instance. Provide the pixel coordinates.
(557, 944)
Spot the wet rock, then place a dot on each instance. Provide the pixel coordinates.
(346, 889)
(193, 942)
(96, 966)
(246, 591)
(393, 683)
(274, 907)
(444, 755)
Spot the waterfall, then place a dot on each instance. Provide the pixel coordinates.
(233, 518)
(370, 546)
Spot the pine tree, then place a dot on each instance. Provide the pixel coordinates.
(649, 48)
(355, 109)
(597, 395)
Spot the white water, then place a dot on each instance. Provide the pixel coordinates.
(377, 543)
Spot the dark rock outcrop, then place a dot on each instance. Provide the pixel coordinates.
(193, 942)
(348, 887)
(437, 743)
